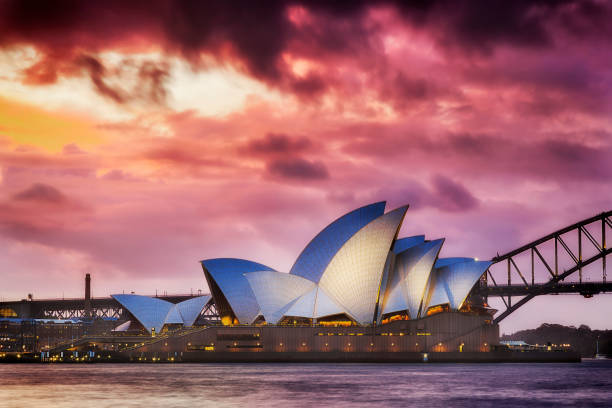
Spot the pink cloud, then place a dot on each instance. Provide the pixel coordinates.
(492, 123)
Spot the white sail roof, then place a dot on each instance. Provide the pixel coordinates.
(436, 293)
(150, 312)
(318, 253)
(155, 313)
(228, 274)
(402, 244)
(304, 306)
(326, 306)
(173, 316)
(412, 269)
(453, 282)
(190, 309)
(353, 276)
(460, 278)
(276, 292)
(395, 301)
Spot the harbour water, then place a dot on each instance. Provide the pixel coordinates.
(298, 385)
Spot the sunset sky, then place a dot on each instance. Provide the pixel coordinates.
(137, 138)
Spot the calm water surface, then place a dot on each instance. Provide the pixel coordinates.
(299, 385)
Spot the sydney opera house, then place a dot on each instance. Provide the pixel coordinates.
(356, 270)
(356, 287)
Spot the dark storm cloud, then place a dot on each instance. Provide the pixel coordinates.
(96, 73)
(297, 168)
(42, 193)
(253, 35)
(449, 195)
(557, 156)
(442, 193)
(273, 143)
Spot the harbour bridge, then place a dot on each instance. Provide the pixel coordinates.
(570, 260)
(565, 261)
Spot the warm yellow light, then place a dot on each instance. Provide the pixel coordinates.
(31, 125)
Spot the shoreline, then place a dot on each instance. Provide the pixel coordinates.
(299, 357)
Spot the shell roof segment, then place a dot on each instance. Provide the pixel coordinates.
(228, 274)
(449, 261)
(353, 277)
(276, 292)
(316, 256)
(150, 312)
(190, 309)
(154, 313)
(305, 305)
(412, 268)
(453, 282)
(402, 244)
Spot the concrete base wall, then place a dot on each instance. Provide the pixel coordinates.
(444, 332)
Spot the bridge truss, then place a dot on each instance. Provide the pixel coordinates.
(98, 308)
(540, 267)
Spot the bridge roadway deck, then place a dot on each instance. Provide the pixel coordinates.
(44, 308)
(584, 288)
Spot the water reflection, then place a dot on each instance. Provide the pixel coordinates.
(287, 385)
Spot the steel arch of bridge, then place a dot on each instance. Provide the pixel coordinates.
(530, 289)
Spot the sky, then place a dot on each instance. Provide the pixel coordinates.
(137, 138)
